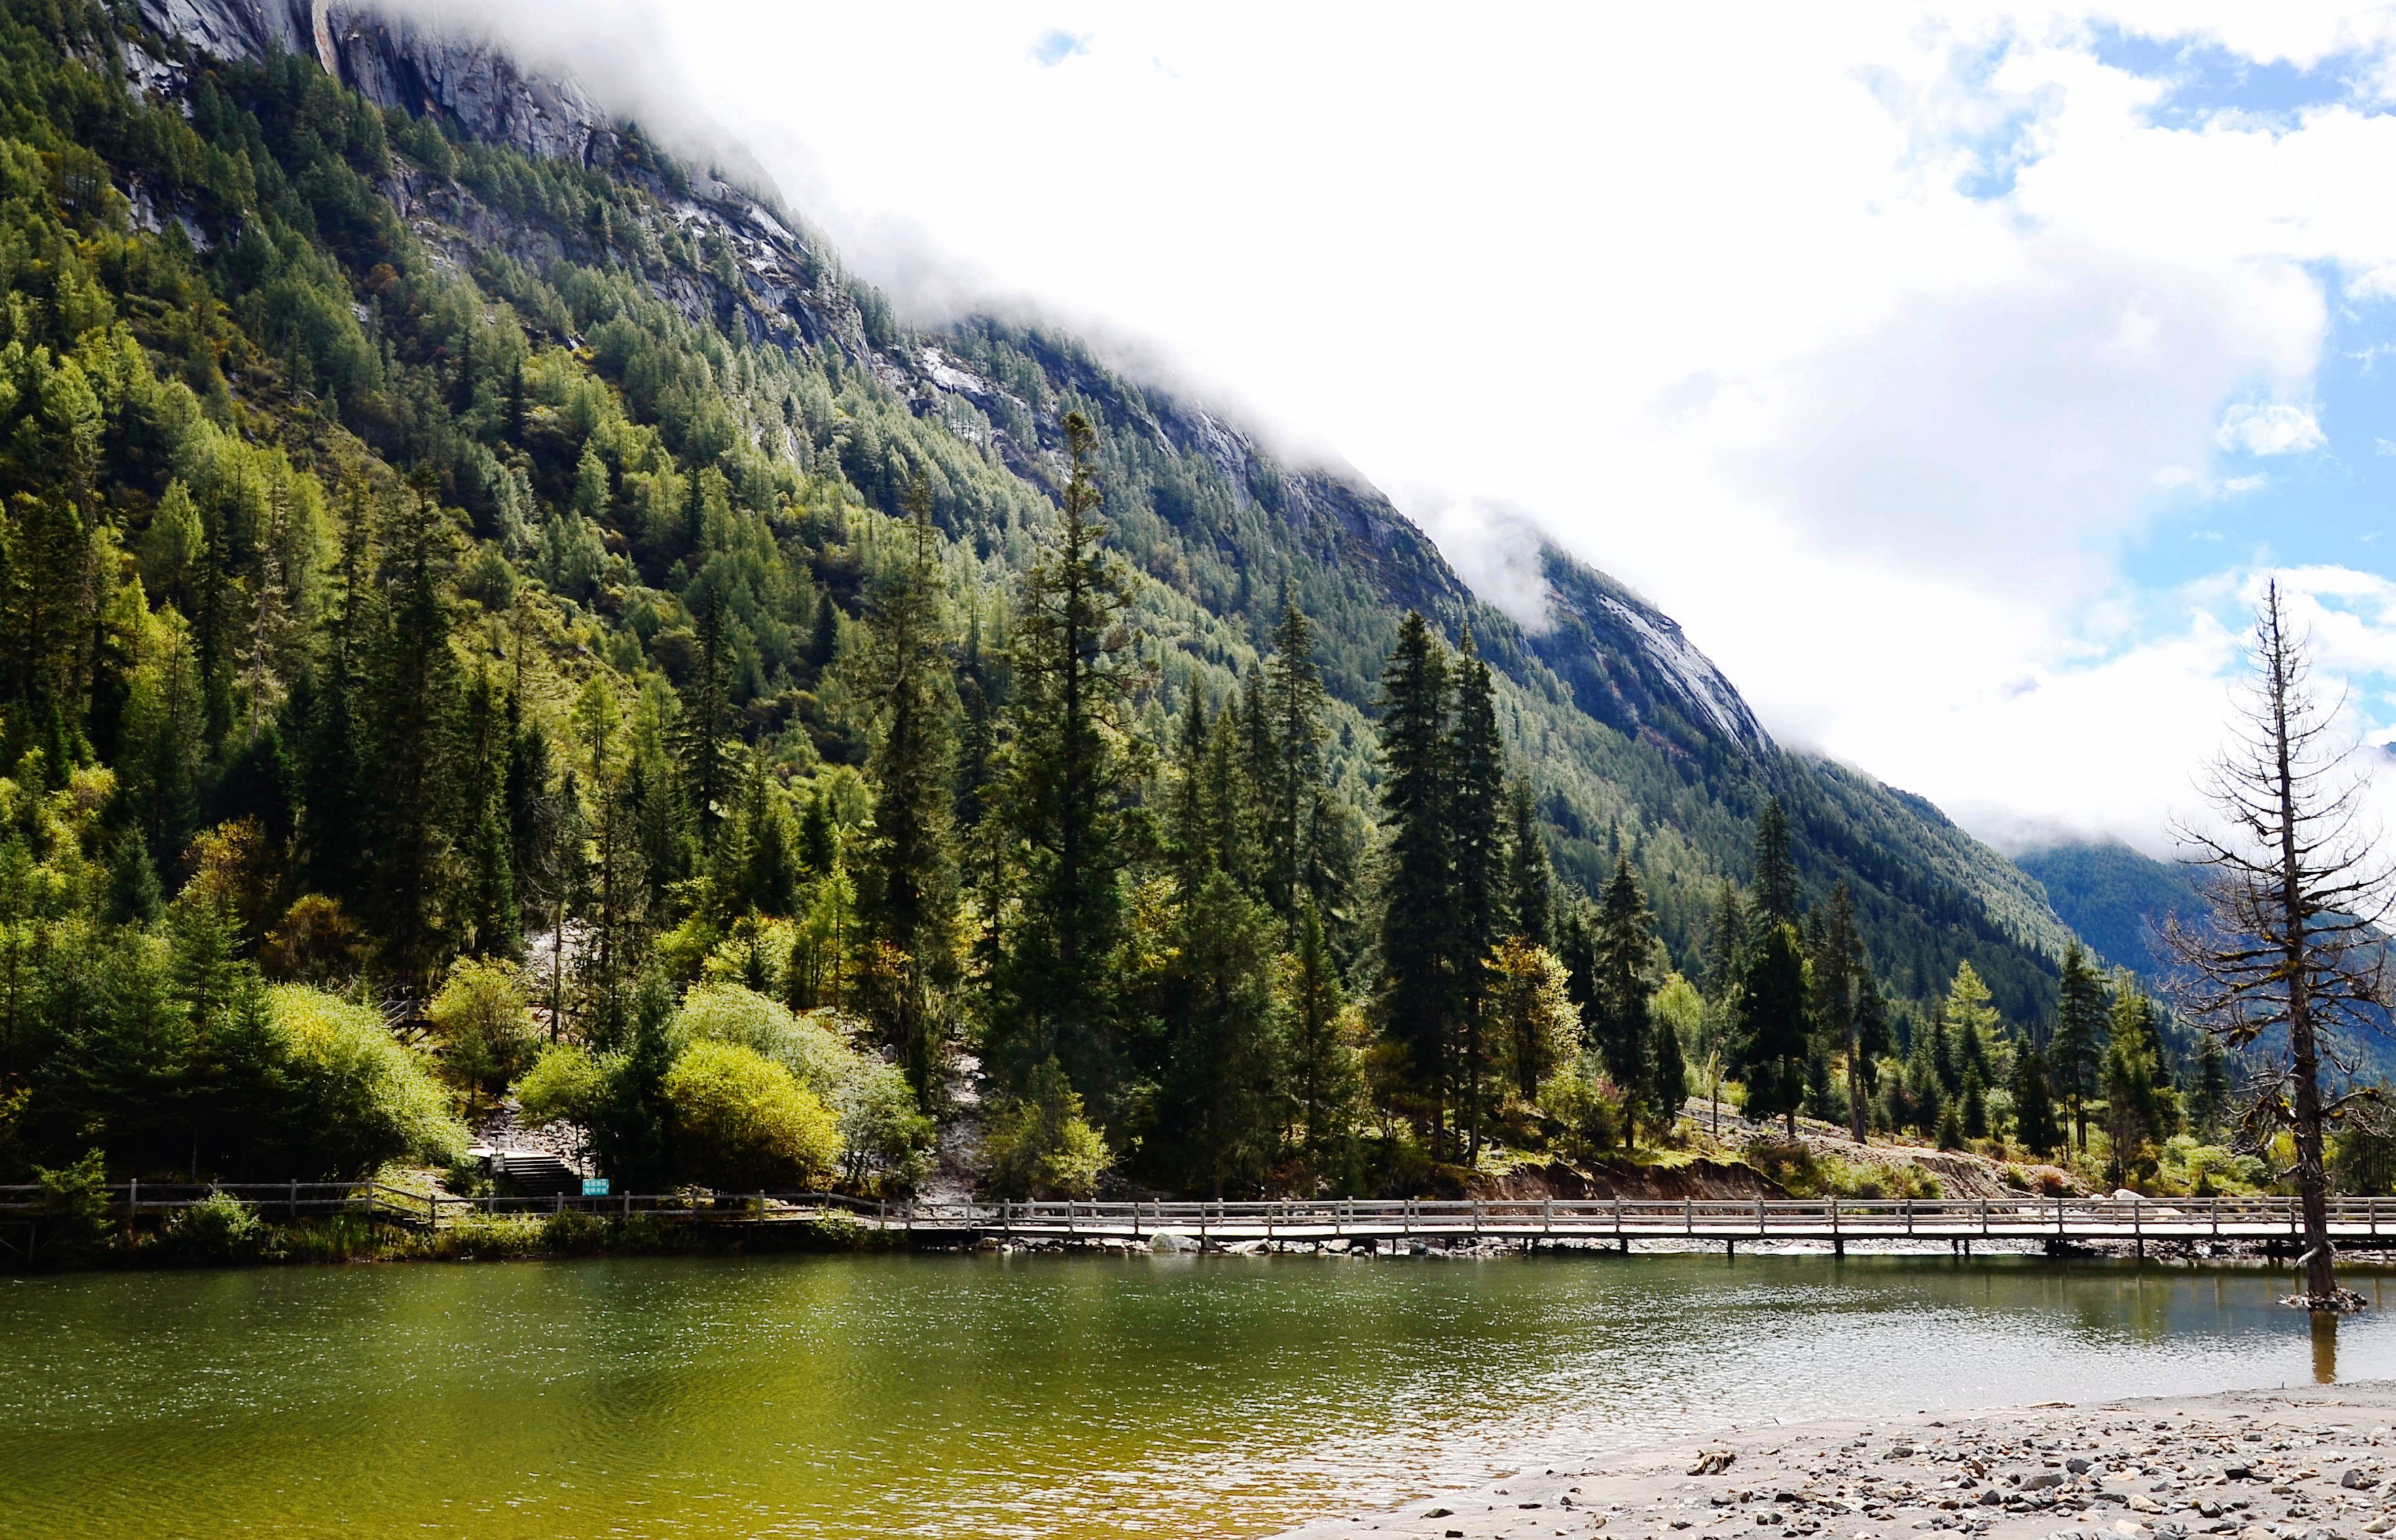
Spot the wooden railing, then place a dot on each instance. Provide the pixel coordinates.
(2021, 1217)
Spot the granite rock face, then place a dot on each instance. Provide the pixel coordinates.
(397, 62)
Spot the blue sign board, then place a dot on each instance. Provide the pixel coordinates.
(594, 1186)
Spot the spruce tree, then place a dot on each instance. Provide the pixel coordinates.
(1322, 1070)
(1417, 1004)
(2075, 1057)
(707, 736)
(1841, 976)
(907, 876)
(2210, 1095)
(1775, 891)
(490, 924)
(1530, 882)
(1726, 946)
(1476, 760)
(1076, 670)
(2034, 1125)
(1773, 1015)
(414, 682)
(1295, 701)
(1223, 1097)
(1622, 980)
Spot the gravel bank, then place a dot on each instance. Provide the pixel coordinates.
(2314, 1462)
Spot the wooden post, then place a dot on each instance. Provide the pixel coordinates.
(291, 1209)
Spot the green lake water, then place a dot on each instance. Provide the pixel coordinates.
(1017, 1396)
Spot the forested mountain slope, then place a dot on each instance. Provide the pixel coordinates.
(721, 325)
(445, 533)
(2118, 900)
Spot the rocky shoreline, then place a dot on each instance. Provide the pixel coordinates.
(2307, 1463)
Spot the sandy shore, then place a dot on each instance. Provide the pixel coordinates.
(2314, 1462)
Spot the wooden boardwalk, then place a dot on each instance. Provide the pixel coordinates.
(2356, 1224)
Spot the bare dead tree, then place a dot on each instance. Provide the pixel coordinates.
(2290, 959)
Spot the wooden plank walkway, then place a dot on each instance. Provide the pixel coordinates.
(2355, 1223)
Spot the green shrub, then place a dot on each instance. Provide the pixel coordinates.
(486, 1035)
(1039, 1146)
(72, 1207)
(743, 1120)
(564, 1086)
(367, 1099)
(889, 1141)
(1588, 1106)
(219, 1227)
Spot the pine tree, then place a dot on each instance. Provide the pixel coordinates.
(2034, 1125)
(490, 925)
(2076, 1055)
(1841, 976)
(1189, 828)
(1726, 946)
(414, 682)
(1321, 1069)
(706, 734)
(1417, 1004)
(1476, 760)
(1776, 899)
(1773, 1013)
(2209, 1096)
(334, 836)
(1230, 808)
(1076, 671)
(1294, 699)
(1618, 1021)
(1530, 882)
(1975, 1100)
(907, 876)
(1222, 1094)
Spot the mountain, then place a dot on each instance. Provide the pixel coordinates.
(2116, 898)
(643, 385)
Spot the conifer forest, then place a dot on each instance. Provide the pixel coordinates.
(488, 630)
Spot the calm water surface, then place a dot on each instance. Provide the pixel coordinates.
(985, 1396)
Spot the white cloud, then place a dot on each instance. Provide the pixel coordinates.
(1863, 339)
(2270, 427)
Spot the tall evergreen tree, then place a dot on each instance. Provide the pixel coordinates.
(2034, 1125)
(414, 682)
(2075, 1057)
(1476, 760)
(907, 879)
(1776, 896)
(1295, 699)
(1841, 976)
(1774, 1014)
(1419, 1002)
(1322, 1070)
(1726, 946)
(1530, 882)
(1076, 670)
(707, 737)
(1619, 1021)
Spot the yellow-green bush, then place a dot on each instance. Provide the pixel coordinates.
(743, 1121)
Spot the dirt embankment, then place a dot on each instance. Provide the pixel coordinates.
(1959, 1175)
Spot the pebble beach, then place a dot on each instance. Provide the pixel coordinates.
(2306, 1463)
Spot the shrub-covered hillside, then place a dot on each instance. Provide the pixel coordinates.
(455, 554)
